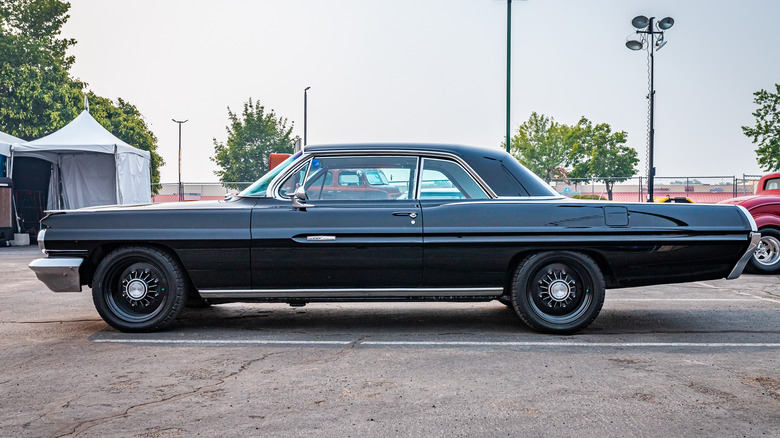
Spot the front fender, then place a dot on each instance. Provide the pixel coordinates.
(767, 220)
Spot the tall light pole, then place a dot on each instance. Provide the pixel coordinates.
(508, 64)
(652, 38)
(181, 192)
(305, 103)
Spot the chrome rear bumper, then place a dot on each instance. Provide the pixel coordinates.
(60, 274)
(740, 266)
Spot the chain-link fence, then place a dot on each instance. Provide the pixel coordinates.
(700, 189)
(169, 192)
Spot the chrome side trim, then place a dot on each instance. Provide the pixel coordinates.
(41, 238)
(320, 238)
(351, 293)
(749, 218)
(740, 266)
(59, 274)
(67, 252)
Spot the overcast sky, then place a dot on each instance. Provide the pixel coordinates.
(433, 70)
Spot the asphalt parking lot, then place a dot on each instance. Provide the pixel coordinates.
(696, 359)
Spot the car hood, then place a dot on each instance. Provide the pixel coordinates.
(753, 201)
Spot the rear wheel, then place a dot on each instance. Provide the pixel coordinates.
(558, 292)
(766, 259)
(139, 289)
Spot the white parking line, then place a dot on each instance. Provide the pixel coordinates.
(564, 344)
(771, 300)
(217, 341)
(684, 299)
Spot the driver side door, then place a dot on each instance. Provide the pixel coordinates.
(361, 228)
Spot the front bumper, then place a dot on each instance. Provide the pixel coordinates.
(60, 274)
(740, 266)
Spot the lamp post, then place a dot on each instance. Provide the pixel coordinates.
(508, 65)
(181, 194)
(305, 103)
(652, 38)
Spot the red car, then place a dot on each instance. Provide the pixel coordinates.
(764, 206)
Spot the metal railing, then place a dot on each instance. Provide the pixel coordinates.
(203, 191)
(699, 189)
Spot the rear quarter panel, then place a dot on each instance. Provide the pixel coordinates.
(477, 243)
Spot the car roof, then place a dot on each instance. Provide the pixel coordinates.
(463, 151)
(502, 172)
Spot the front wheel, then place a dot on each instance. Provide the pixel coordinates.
(558, 292)
(766, 259)
(139, 289)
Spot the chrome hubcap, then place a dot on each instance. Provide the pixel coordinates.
(557, 289)
(136, 289)
(140, 287)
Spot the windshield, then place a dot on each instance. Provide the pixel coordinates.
(259, 187)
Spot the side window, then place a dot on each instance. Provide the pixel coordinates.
(362, 178)
(442, 179)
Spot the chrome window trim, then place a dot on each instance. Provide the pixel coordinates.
(274, 185)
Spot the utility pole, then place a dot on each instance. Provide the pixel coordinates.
(181, 191)
(305, 97)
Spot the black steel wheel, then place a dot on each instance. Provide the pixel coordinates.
(558, 292)
(766, 259)
(139, 289)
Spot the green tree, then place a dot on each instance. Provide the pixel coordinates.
(599, 153)
(37, 94)
(766, 132)
(252, 136)
(542, 145)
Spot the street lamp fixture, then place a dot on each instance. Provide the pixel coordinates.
(181, 192)
(651, 37)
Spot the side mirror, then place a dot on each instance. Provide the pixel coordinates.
(299, 199)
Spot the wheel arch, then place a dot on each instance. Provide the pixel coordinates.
(597, 256)
(96, 255)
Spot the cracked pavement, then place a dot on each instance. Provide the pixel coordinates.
(341, 369)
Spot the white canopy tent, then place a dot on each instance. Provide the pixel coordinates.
(6, 140)
(90, 166)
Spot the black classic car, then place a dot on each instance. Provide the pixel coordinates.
(440, 223)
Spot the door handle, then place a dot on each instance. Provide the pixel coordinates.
(411, 214)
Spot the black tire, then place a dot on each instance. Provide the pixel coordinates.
(766, 259)
(139, 289)
(558, 292)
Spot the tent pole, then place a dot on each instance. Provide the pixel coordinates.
(116, 172)
(10, 172)
(10, 165)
